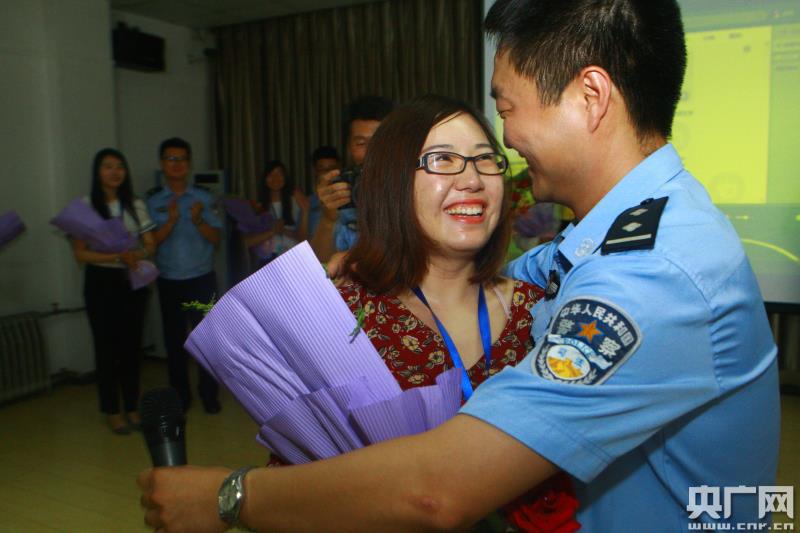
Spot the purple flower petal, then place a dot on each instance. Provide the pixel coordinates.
(144, 274)
(281, 342)
(81, 221)
(10, 227)
(247, 221)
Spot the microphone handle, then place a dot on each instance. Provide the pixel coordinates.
(168, 453)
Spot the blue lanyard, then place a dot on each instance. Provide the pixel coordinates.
(486, 338)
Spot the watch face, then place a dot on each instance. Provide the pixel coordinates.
(228, 497)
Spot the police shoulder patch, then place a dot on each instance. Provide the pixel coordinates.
(152, 191)
(588, 340)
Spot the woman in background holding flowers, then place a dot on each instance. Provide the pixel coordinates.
(289, 208)
(115, 310)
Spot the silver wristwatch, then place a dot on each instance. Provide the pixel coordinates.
(231, 497)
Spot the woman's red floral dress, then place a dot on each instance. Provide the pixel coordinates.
(415, 354)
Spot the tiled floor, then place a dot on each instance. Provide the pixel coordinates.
(63, 470)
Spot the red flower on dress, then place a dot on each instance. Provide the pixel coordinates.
(549, 508)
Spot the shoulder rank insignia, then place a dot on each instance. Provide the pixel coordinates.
(152, 191)
(635, 228)
(588, 340)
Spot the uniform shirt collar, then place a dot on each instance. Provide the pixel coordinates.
(583, 239)
(167, 192)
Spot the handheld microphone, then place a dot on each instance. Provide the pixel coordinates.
(164, 426)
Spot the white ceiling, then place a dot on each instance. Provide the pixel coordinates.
(210, 13)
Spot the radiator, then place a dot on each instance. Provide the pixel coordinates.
(23, 358)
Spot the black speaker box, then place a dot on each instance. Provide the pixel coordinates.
(136, 50)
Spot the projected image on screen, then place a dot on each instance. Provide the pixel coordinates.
(737, 127)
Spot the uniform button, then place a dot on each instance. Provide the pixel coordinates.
(585, 248)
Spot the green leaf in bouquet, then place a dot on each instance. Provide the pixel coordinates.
(196, 305)
(361, 315)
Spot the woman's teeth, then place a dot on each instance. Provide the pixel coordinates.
(471, 210)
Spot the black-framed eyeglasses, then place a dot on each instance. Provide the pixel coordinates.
(489, 164)
(176, 158)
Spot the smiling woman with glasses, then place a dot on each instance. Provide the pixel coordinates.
(434, 222)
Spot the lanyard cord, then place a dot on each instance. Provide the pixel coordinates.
(486, 338)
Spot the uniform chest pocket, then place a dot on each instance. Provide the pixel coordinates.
(160, 215)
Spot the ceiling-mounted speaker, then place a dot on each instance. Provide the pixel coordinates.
(136, 50)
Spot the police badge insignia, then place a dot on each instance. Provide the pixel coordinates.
(588, 340)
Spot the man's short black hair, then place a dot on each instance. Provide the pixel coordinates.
(366, 108)
(174, 142)
(639, 42)
(324, 152)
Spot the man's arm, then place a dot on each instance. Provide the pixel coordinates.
(209, 232)
(164, 230)
(322, 242)
(533, 265)
(444, 479)
(331, 196)
(149, 244)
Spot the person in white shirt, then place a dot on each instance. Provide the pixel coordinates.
(289, 208)
(115, 310)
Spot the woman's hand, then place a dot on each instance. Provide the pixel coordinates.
(129, 258)
(183, 498)
(335, 266)
(302, 200)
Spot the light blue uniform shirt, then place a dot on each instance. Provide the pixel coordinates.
(653, 371)
(344, 233)
(185, 254)
(314, 213)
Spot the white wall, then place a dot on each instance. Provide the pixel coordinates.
(61, 100)
(152, 106)
(56, 100)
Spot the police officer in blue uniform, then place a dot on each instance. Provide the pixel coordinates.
(654, 369)
(653, 379)
(187, 235)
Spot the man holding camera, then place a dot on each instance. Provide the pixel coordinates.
(337, 227)
(323, 160)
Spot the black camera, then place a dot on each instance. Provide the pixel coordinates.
(350, 176)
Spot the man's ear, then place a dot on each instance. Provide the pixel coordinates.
(596, 88)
